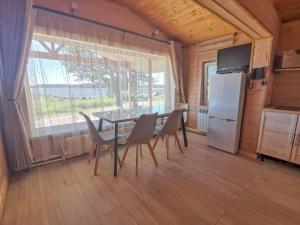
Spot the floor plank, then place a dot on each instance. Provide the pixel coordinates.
(201, 186)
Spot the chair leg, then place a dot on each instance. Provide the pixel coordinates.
(96, 162)
(167, 145)
(141, 151)
(152, 153)
(124, 155)
(178, 142)
(136, 159)
(91, 150)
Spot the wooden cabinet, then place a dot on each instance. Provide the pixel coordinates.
(295, 157)
(261, 56)
(279, 136)
(276, 134)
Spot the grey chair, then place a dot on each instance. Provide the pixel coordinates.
(170, 128)
(99, 139)
(183, 106)
(141, 134)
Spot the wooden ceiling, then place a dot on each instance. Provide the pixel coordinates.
(183, 20)
(288, 10)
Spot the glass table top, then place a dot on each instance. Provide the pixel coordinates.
(123, 115)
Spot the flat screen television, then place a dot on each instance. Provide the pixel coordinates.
(234, 59)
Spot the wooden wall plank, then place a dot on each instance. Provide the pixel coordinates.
(232, 12)
(194, 58)
(251, 120)
(264, 12)
(288, 10)
(106, 12)
(289, 36)
(286, 91)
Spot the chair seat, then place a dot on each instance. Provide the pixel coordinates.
(109, 135)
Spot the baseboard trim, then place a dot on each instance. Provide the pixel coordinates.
(195, 131)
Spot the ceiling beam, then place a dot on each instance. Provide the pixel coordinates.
(232, 12)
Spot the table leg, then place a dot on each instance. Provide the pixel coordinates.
(184, 131)
(100, 125)
(116, 150)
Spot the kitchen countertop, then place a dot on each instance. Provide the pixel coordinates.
(283, 109)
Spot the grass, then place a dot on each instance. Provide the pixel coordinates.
(52, 105)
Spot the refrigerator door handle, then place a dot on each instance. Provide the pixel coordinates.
(228, 120)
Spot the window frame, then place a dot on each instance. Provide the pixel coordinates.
(205, 66)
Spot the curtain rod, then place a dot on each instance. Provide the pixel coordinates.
(97, 23)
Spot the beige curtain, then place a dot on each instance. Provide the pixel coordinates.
(53, 24)
(15, 37)
(80, 66)
(176, 63)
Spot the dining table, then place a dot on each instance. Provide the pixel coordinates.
(118, 116)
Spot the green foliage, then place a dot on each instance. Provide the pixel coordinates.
(51, 105)
(98, 69)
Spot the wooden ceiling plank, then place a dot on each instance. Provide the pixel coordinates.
(184, 20)
(216, 8)
(240, 12)
(191, 15)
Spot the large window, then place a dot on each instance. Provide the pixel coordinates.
(65, 77)
(210, 68)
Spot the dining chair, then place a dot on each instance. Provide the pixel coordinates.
(99, 139)
(183, 106)
(141, 134)
(170, 128)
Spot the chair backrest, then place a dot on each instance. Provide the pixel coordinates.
(94, 135)
(183, 106)
(173, 122)
(143, 129)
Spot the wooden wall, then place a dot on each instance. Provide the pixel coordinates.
(106, 12)
(289, 36)
(286, 88)
(194, 58)
(257, 97)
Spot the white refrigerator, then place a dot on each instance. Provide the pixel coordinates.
(225, 110)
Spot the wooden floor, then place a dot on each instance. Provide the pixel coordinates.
(201, 186)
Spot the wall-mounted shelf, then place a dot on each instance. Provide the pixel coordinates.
(287, 69)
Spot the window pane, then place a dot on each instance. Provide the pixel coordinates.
(210, 69)
(66, 77)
